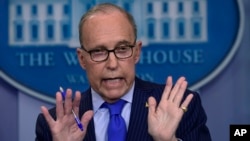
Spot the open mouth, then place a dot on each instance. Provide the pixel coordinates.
(112, 81)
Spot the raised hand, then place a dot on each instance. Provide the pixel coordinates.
(164, 119)
(64, 127)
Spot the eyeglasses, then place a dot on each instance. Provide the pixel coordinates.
(102, 54)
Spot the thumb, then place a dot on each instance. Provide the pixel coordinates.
(87, 116)
(151, 105)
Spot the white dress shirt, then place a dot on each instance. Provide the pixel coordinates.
(101, 115)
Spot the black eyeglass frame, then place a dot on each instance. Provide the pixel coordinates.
(108, 51)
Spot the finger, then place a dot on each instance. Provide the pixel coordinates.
(176, 88)
(187, 100)
(59, 105)
(76, 102)
(178, 97)
(47, 116)
(151, 105)
(184, 105)
(87, 116)
(68, 102)
(167, 88)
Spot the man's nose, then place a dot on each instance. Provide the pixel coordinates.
(112, 61)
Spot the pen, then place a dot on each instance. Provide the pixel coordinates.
(79, 124)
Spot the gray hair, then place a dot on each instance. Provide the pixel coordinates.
(105, 8)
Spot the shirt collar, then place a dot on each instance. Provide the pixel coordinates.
(98, 101)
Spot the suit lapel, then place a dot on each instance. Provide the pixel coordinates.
(138, 127)
(86, 104)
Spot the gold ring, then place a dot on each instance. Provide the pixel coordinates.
(184, 109)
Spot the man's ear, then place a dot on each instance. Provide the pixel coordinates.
(81, 58)
(138, 51)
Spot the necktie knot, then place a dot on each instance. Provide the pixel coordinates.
(115, 108)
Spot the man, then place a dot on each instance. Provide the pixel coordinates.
(152, 112)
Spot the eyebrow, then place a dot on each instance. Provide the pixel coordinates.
(123, 42)
(119, 43)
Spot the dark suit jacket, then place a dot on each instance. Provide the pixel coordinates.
(191, 128)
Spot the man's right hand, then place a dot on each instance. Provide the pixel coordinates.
(64, 127)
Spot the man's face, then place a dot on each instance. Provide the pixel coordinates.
(114, 77)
